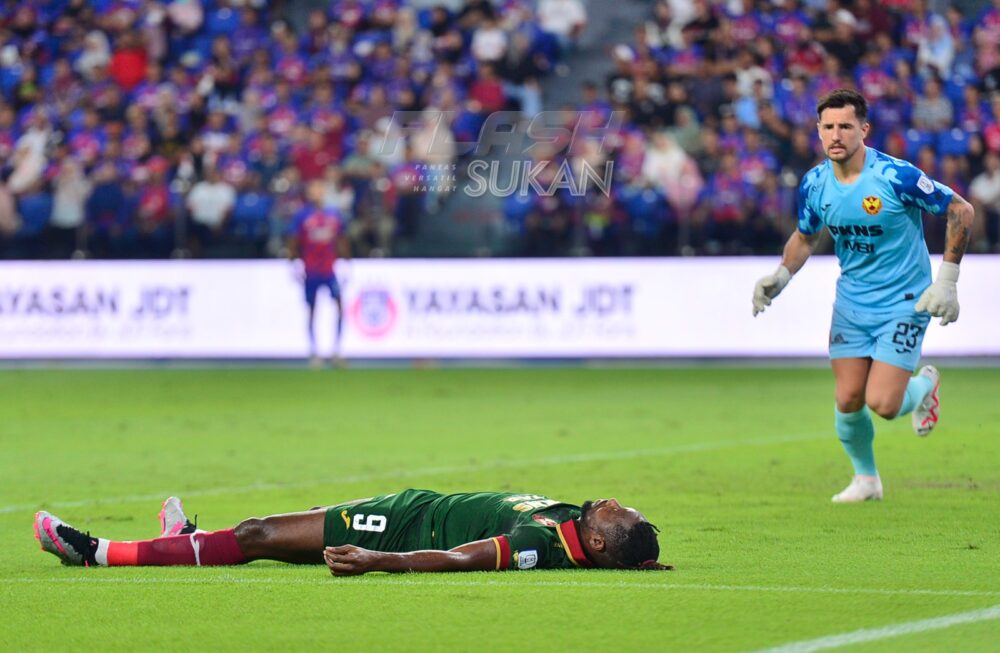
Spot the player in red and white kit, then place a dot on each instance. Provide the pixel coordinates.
(317, 238)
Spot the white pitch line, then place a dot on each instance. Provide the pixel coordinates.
(562, 459)
(885, 632)
(410, 581)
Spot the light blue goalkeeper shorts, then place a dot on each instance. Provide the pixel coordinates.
(893, 337)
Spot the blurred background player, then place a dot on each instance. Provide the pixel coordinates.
(412, 530)
(872, 204)
(316, 240)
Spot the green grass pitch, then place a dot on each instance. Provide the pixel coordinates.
(736, 466)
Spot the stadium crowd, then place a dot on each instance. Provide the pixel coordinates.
(720, 97)
(144, 128)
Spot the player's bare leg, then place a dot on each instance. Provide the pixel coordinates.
(886, 388)
(851, 377)
(336, 359)
(293, 537)
(855, 428)
(314, 360)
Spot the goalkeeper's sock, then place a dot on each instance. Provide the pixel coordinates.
(916, 390)
(200, 549)
(856, 433)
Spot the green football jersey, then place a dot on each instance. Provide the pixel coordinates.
(529, 530)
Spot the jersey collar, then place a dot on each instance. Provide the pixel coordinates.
(569, 534)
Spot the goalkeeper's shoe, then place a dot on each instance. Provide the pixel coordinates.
(173, 520)
(926, 415)
(62, 540)
(862, 488)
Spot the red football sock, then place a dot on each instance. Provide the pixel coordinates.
(201, 549)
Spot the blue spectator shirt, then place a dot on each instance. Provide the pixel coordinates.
(877, 227)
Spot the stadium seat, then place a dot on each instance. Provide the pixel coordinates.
(954, 90)
(916, 139)
(953, 142)
(647, 210)
(35, 210)
(516, 209)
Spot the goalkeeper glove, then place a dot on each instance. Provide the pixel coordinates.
(941, 297)
(769, 287)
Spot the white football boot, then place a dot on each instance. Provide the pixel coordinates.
(862, 488)
(173, 521)
(926, 415)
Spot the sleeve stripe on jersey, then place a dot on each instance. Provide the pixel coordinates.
(503, 552)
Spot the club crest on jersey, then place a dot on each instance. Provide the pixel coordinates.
(872, 205)
(545, 521)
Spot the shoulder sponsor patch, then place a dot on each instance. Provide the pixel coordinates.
(527, 559)
(925, 184)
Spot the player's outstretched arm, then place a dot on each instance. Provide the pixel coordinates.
(798, 249)
(941, 298)
(351, 560)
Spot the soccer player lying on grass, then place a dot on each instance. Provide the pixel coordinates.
(413, 530)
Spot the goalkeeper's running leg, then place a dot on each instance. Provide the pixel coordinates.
(855, 429)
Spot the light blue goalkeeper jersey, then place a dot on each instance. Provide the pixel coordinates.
(877, 228)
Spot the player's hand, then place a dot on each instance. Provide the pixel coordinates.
(941, 297)
(769, 287)
(349, 560)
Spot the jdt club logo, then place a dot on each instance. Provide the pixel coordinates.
(374, 312)
(872, 205)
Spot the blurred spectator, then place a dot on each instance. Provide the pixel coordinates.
(107, 215)
(936, 49)
(487, 90)
(154, 216)
(338, 193)
(985, 195)
(95, 57)
(564, 19)
(29, 157)
(72, 189)
(210, 203)
(489, 41)
(932, 111)
(668, 168)
(128, 63)
(724, 207)
(189, 86)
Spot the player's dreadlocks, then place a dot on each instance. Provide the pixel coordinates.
(637, 547)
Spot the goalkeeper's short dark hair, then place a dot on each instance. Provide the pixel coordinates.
(844, 97)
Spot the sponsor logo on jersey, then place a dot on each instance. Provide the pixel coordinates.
(526, 559)
(872, 204)
(856, 230)
(925, 184)
(859, 246)
(545, 521)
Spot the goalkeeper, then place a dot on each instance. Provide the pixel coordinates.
(872, 204)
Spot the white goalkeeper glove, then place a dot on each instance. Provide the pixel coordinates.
(941, 297)
(769, 287)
